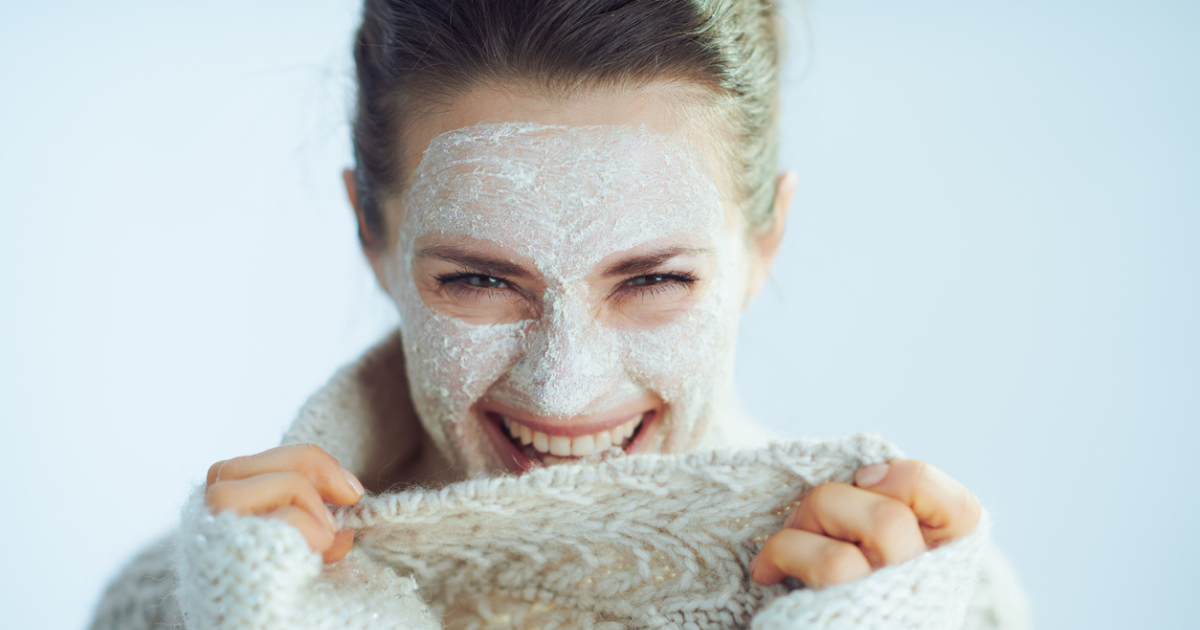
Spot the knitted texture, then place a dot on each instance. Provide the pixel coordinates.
(252, 572)
(677, 533)
(639, 542)
(931, 591)
(141, 595)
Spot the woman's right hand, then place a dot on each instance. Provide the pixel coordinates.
(291, 483)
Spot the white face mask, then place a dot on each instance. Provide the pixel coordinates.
(558, 201)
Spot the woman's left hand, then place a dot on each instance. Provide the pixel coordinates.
(842, 532)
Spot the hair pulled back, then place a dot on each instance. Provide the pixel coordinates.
(410, 52)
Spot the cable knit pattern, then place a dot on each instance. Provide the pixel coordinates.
(648, 541)
(640, 542)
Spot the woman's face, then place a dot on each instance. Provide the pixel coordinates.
(569, 276)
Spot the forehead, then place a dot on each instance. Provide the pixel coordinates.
(588, 189)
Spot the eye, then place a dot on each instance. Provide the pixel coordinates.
(647, 281)
(472, 285)
(483, 282)
(655, 284)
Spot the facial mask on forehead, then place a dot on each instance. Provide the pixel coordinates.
(565, 198)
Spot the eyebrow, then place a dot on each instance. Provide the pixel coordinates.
(486, 265)
(640, 265)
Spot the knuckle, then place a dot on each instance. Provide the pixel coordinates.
(892, 521)
(839, 563)
(892, 517)
(313, 460)
(917, 468)
(894, 528)
(308, 449)
(303, 492)
(297, 518)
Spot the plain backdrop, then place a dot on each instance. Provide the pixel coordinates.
(992, 260)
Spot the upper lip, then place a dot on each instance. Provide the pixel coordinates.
(584, 425)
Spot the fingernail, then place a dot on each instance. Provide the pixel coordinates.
(753, 563)
(790, 520)
(870, 475)
(353, 481)
(332, 520)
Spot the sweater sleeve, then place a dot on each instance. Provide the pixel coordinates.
(934, 590)
(140, 596)
(999, 602)
(252, 572)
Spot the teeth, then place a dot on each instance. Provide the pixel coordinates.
(583, 446)
(541, 441)
(560, 445)
(563, 446)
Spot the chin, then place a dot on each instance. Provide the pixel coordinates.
(521, 441)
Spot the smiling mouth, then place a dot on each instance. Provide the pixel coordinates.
(551, 449)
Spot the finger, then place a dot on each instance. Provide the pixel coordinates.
(262, 494)
(335, 484)
(944, 507)
(885, 529)
(813, 559)
(318, 536)
(342, 542)
(213, 472)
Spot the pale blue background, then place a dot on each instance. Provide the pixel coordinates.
(992, 261)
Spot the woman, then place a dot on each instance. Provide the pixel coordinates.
(570, 203)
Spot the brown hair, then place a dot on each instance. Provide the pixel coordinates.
(412, 51)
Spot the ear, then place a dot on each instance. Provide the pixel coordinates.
(765, 244)
(372, 251)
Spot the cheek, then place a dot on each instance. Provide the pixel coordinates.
(653, 308)
(690, 360)
(685, 359)
(452, 363)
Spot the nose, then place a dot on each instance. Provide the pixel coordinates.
(568, 361)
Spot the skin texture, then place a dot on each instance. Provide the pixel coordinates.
(546, 274)
(291, 483)
(838, 533)
(842, 532)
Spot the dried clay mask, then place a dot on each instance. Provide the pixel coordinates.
(562, 230)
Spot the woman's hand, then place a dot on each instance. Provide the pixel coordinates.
(842, 532)
(291, 483)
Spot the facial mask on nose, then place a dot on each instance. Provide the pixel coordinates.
(565, 198)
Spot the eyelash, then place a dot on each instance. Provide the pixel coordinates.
(457, 284)
(669, 282)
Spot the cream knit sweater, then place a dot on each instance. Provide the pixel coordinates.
(652, 541)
